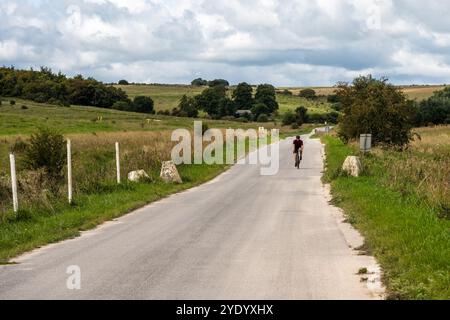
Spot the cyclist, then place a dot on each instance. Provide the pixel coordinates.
(298, 151)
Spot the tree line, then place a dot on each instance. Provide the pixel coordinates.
(218, 103)
(44, 86)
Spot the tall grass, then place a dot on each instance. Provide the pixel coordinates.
(400, 204)
(422, 170)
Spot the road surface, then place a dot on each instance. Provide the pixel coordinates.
(240, 236)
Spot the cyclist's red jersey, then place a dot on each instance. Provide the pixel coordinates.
(298, 143)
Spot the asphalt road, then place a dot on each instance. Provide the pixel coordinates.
(241, 236)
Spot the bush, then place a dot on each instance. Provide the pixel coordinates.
(46, 150)
(24, 107)
(199, 82)
(12, 102)
(301, 115)
(263, 118)
(308, 94)
(122, 106)
(123, 82)
(143, 104)
(259, 109)
(218, 82)
(288, 118)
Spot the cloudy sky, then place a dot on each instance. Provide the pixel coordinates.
(286, 42)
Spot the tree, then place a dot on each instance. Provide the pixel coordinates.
(199, 82)
(218, 82)
(227, 107)
(265, 93)
(122, 106)
(188, 106)
(435, 110)
(262, 118)
(123, 82)
(210, 100)
(243, 96)
(308, 94)
(376, 107)
(143, 104)
(288, 118)
(301, 115)
(45, 86)
(258, 109)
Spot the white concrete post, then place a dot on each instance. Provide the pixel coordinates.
(12, 161)
(69, 171)
(118, 162)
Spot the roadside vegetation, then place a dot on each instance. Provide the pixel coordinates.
(45, 215)
(401, 203)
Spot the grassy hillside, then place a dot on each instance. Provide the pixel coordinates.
(166, 97)
(401, 205)
(80, 119)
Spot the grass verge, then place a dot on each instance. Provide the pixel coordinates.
(404, 233)
(31, 231)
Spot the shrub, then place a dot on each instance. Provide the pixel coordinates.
(308, 94)
(122, 105)
(24, 107)
(199, 82)
(301, 115)
(143, 104)
(46, 150)
(218, 82)
(263, 118)
(259, 109)
(12, 102)
(288, 118)
(123, 82)
(333, 98)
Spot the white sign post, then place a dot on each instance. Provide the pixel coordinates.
(69, 171)
(365, 142)
(12, 161)
(118, 162)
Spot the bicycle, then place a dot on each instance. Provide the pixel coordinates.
(298, 158)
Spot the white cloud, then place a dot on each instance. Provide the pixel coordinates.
(294, 42)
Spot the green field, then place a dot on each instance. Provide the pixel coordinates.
(166, 97)
(80, 119)
(403, 216)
